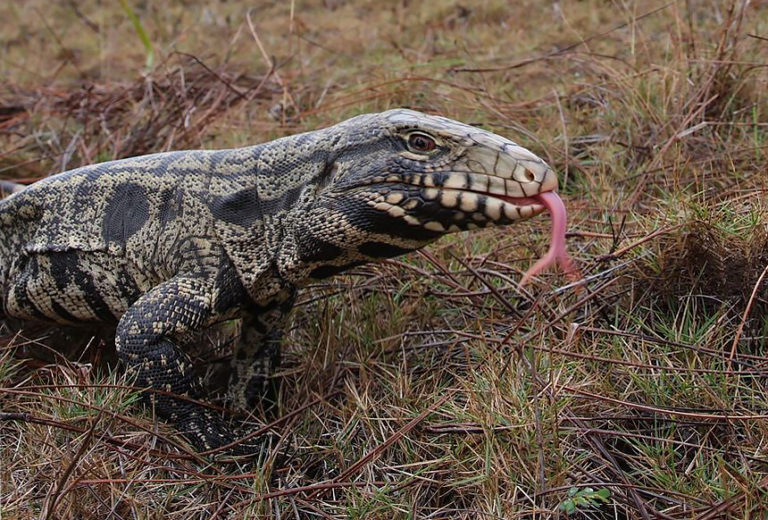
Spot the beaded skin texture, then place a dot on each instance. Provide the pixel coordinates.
(166, 245)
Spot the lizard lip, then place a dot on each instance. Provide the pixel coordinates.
(517, 201)
(526, 206)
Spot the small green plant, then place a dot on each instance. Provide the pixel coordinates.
(142, 34)
(585, 497)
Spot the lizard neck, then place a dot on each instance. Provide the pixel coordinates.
(256, 195)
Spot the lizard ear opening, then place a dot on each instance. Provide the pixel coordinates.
(327, 175)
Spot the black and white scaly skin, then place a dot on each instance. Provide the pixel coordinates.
(168, 244)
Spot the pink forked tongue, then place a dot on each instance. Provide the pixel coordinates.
(557, 252)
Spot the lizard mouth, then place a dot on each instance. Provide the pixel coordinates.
(525, 207)
(485, 198)
(484, 206)
(497, 208)
(457, 201)
(521, 202)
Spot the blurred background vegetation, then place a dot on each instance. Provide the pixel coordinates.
(432, 386)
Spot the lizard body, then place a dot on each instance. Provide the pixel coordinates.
(168, 244)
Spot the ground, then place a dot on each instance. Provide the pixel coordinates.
(430, 386)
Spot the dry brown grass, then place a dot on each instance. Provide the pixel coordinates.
(431, 386)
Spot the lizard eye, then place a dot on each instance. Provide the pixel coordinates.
(421, 143)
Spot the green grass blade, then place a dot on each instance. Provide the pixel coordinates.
(143, 36)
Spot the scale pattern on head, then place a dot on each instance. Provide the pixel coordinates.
(398, 180)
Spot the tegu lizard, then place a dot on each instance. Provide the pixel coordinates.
(169, 244)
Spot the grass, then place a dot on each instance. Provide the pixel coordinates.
(430, 386)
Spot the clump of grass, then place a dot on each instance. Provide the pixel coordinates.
(719, 252)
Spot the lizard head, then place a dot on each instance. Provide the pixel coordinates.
(398, 180)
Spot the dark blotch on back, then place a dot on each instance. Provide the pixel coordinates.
(285, 202)
(242, 207)
(126, 213)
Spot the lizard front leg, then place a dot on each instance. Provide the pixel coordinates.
(147, 341)
(257, 353)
